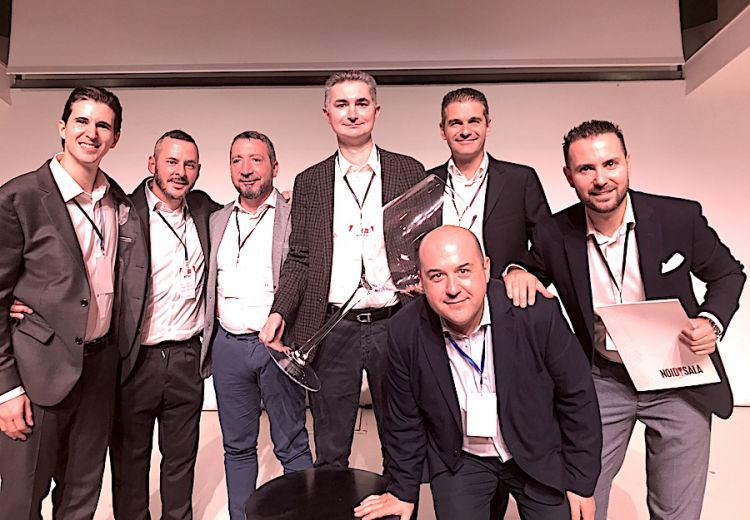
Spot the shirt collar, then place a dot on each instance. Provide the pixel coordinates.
(627, 221)
(270, 202)
(372, 164)
(483, 323)
(155, 202)
(69, 188)
(457, 175)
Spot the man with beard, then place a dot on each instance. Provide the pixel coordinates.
(160, 376)
(69, 243)
(617, 246)
(248, 245)
(337, 245)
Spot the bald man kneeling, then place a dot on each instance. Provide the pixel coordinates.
(494, 398)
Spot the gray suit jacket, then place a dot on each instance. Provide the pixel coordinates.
(41, 264)
(279, 248)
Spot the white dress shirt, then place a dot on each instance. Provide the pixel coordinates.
(173, 311)
(466, 379)
(358, 235)
(464, 206)
(244, 283)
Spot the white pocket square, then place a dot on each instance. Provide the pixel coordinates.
(673, 263)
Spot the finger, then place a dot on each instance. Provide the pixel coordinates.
(531, 292)
(543, 290)
(17, 315)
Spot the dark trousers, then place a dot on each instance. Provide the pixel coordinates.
(348, 349)
(68, 444)
(245, 374)
(479, 487)
(166, 385)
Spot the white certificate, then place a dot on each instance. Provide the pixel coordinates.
(646, 335)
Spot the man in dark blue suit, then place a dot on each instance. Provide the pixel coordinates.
(495, 398)
(618, 246)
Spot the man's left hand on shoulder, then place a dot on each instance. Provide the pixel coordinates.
(581, 508)
(699, 336)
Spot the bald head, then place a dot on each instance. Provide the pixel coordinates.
(454, 275)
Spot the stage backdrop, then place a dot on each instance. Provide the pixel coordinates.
(686, 146)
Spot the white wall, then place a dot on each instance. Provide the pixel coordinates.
(688, 146)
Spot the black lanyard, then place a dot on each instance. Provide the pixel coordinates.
(93, 224)
(471, 203)
(183, 241)
(241, 244)
(624, 260)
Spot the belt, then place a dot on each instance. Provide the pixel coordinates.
(95, 346)
(171, 343)
(367, 315)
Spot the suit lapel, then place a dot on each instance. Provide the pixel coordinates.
(58, 214)
(138, 197)
(578, 265)
(325, 202)
(280, 222)
(433, 344)
(199, 213)
(648, 237)
(495, 184)
(502, 346)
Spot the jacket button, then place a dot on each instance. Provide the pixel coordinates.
(456, 453)
(84, 303)
(79, 341)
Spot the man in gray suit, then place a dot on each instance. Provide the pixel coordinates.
(66, 232)
(248, 245)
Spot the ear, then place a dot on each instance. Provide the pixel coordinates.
(61, 128)
(442, 131)
(115, 141)
(275, 169)
(489, 126)
(152, 165)
(326, 115)
(487, 269)
(197, 173)
(377, 111)
(569, 176)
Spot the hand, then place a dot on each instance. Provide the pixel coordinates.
(19, 310)
(699, 336)
(16, 419)
(581, 508)
(378, 506)
(522, 286)
(287, 194)
(272, 331)
(413, 290)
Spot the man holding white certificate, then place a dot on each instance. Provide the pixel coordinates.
(619, 246)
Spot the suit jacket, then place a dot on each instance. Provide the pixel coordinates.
(514, 204)
(549, 416)
(279, 249)
(41, 264)
(306, 275)
(664, 226)
(200, 207)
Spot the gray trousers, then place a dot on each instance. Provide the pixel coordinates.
(678, 437)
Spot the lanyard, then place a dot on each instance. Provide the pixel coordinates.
(93, 224)
(182, 240)
(471, 362)
(618, 286)
(471, 203)
(241, 244)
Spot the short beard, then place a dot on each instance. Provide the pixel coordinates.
(248, 193)
(164, 187)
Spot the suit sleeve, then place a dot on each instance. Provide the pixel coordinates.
(405, 440)
(713, 263)
(575, 404)
(11, 265)
(293, 275)
(534, 259)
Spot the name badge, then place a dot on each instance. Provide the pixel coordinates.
(481, 415)
(102, 278)
(186, 277)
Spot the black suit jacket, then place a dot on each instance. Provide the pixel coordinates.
(664, 226)
(200, 207)
(306, 274)
(549, 416)
(515, 203)
(41, 264)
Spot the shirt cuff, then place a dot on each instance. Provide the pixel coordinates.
(715, 321)
(12, 394)
(511, 267)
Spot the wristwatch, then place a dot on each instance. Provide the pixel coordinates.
(717, 329)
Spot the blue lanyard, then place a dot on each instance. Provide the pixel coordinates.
(468, 359)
